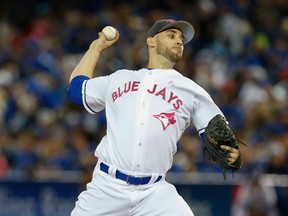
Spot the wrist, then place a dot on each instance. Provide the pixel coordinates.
(97, 46)
(95, 49)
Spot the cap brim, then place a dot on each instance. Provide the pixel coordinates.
(185, 27)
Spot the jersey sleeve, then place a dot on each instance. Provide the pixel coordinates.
(205, 110)
(94, 93)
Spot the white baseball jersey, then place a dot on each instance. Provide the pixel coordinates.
(147, 111)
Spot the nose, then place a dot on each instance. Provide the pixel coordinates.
(179, 41)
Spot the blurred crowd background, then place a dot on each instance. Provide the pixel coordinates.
(239, 55)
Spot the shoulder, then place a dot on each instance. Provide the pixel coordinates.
(191, 85)
(121, 72)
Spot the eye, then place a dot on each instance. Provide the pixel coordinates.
(171, 36)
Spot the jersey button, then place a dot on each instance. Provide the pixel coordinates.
(138, 165)
(140, 144)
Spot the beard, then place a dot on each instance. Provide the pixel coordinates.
(166, 52)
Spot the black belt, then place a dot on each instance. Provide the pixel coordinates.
(128, 178)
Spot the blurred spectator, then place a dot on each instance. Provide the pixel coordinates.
(255, 198)
(278, 161)
(4, 168)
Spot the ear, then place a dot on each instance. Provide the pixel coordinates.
(150, 41)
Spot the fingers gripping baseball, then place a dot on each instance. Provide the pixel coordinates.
(110, 34)
(102, 42)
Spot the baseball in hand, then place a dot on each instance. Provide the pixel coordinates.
(109, 32)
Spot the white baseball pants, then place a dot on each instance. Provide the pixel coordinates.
(107, 196)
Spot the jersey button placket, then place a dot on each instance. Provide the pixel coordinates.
(139, 141)
(143, 105)
(142, 117)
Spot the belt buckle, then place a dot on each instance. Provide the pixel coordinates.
(127, 179)
(135, 178)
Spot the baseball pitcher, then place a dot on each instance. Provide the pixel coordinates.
(147, 111)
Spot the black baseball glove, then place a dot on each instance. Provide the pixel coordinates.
(218, 133)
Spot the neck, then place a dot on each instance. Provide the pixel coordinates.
(160, 63)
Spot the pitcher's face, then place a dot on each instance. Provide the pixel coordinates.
(169, 44)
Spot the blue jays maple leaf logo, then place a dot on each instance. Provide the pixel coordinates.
(166, 119)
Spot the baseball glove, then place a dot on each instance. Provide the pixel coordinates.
(218, 133)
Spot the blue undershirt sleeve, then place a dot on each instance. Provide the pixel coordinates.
(201, 135)
(74, 91)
